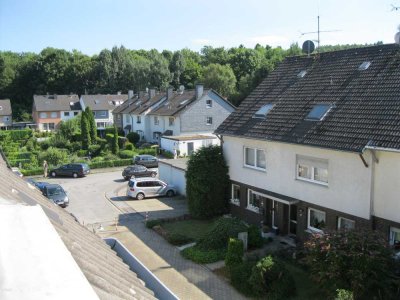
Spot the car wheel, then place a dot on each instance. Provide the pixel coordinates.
(127, 177)
(140, 196)
(53, 174)
(153, 174)
(170, 193)
(75, 175)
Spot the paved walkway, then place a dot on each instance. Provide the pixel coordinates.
(185, 278)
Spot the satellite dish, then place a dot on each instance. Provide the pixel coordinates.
(397, 38)
(308, 47)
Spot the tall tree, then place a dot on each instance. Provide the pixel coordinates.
(85, 131)
(177, 67)
(220, 78)
(115, 146)
(92, 124)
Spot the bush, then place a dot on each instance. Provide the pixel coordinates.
(32, 172)
(94, 150)
(133, 137)
(203, 256)
(207, 191)
(53, 156)
(344, 295)
(178, 239)
(355, 260)
(129, 146)
(271, 278)
(223, 229)
(82, 153)
(126, 154)
(150, 151)
(167, 154)
(234, 255)
(59, 141)
(121, 142)
(110, 163)
(45, 145)
(255, 239)
(152, 223)
(23, 134)
(239, 275)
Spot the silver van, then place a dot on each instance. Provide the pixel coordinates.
(140, 188)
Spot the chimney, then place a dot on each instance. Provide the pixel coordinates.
(181, 89)
(152, 93)
(169, 92)
(119, 93)
(199, 91)
(130, 94)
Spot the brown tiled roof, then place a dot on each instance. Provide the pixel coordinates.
(5, 107)
(105, 271)
(365, 103)
(103, 102)
(56, 102)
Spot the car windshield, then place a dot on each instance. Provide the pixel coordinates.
(54, 191)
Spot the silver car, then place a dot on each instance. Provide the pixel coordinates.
(140, 188)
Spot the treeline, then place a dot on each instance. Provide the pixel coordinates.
(233, 72)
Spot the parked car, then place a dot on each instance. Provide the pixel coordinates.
(137, 171)
(146, 160)
(140, 188)
(56, 193)
(74, 170)
(37, 184)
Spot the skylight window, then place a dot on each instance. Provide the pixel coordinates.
(318, 112)
(302, 74)
(138, 103)
(263, 111)
(183, 102)
(365, 65)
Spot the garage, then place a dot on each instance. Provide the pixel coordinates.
(173, 171)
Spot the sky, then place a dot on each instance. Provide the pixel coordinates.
(93, 25)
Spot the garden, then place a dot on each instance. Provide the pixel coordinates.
(76, 140)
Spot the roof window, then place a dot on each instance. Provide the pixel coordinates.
(183, 102)
(263, 111)
(318, 112)
(71, 103)
(302, 74)
(365, 65)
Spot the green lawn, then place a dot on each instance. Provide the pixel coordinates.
(194, 229)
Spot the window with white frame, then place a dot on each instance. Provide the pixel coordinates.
(101, 124)
(102, 113)
(344, 223)
(254, 201)
(208, 103)
(207, 142)
(394, 237)
(53, 114)
(209, 120)
(138, 119)
(254, 158)
(6, 119)
(156, 120)
(235, 197)
(51, 126)
(171, 121)
(66, 113)
(43, 115)
(312, 169)
(316, 219)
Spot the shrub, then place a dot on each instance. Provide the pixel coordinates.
(207, 183)
(223, 229)
(59, 141)
(150, 151)
(178, 239)
(344, 295)
(32, 172)
(81, 153)
(94, 150)
(126, 154)
(355, 260)
(167, 154)
(152, 223)
(239, 275)
(53, 156)
(133, 137)
(121, 142)
(234, 255)
(129, 146)
(110, 163)
(44, 145)
(75, 146)
(109, 138)
(255, 239)
(203, 256)
(22, 134)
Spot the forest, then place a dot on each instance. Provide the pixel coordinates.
(233, 72)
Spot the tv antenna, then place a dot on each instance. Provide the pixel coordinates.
(318, 32)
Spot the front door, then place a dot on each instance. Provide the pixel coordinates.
(277, 216)
(190, 148)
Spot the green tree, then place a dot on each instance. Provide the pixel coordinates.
(115, 146)
(92, 125)
(85, 131)
(220, 78)
(207, 183)
(177, 67)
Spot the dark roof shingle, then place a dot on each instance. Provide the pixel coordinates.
(56, 102)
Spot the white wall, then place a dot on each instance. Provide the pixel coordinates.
(71, 115)
(387, 186)
(170, 145)
(349, 187)
(173, 176)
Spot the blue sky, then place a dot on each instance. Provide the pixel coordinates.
(92, 25)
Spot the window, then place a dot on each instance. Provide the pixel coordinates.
(43, 115)
(344, 223)
(394, 238)
(235, 198)
(208, 103)
(316, 219)
(312, 169)
(102, 113)
(6, 119)
(127, 118)
(171, 121)
(254, 158)
(254, 201)
(100, 124)
(138, 119)
(301, 74)
(263, 111)
(51, 126)
(75, 113)
(53, 114)
(206, 143)
(156, 121)
(318, 112)
(365, 65)
(209, 120)
(66, 113)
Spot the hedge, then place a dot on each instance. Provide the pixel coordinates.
(16, 162)
(151, 151)
(32, 172)
(110, 163)
(203, 256)
(234, 255)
